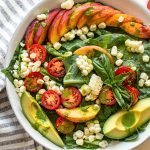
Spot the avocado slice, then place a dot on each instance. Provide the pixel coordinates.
(39, 119)
(124, 123)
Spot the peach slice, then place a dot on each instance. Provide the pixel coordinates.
(29, 35)
(79, 114)
(113, 21)
(102, 16)
(88, 14)
(53, 34)
(63, 26)
(40, 35)
(78, 12)
(88, 50)
(136, 29)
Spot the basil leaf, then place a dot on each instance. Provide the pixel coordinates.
(104, 68)
(119, 98)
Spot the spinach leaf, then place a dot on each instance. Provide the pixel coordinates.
(73, 75)
(73, 45)
(8, 70)
(44, 72)
(133, 137)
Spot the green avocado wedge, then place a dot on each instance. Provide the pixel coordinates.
(38, 119)
(124, 123)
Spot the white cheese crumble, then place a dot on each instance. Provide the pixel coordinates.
(93, 27)
(102, 25)
(145, 58)
(114, 51)
(57, 45)
(41, 17)
(67, 4)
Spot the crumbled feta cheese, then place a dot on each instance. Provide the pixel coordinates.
(15, 74)
(40, 81)
(90, 34)
(90, 97)
(147, 83)
(22, 89)
(119, 55)
(102, 25)
(103, 144)
(63, 39)
(45, 64)
(16, 66)
(16, 83)
(41, 91)
(57, 45)
(61, 88)
(79, 141)
(145, 58)
(79, 32)
(114, 51)
(34, 69)
(21, 82)
(26, 73)
(22, 44)
(79, 134)
(26, 59)
(85, 29)
(141, 83)
(99, 136)
(32, 55)
(75, 136)
(119, 62)
(83, 37)
(121, 19)
(144, 76)
(24, 55)
(38, 63)
(86, 131)
(46, 78)
(92, 129)
(68, 4)
(97, 129)
(133, 68)
(91, 138)
(93, 27)
(84, 72)
(41, 17)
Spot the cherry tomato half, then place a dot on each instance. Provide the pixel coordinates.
(107, 97)
(56, 68)
(130, 77)
(50, 100)
(71, 97)
(30, 82)
(64, 126)
(39, 51)
(133, 92)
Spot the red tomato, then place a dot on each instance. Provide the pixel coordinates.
(107, 97)
(71, 97)
(133, 92)
(64, 126)
(50, 100)
(56, 68)
(31, 82)
(40, 52)
(130, 77)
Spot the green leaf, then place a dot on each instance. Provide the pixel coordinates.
(104, 68)
(132, 137)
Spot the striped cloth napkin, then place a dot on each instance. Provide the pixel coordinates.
(12, 135)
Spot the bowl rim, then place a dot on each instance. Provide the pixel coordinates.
(8, 82)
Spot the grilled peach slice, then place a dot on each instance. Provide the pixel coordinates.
(136, 29)
(102, 16)
(113, 21)
(88, 50)
(53, 34)
(40, 35)
(30, 33)
(78, 12)
(63, 26)
(89, 13)
(79, 114)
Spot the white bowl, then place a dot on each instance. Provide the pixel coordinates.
(133, 7)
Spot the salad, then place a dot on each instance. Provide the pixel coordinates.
(82, 73)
